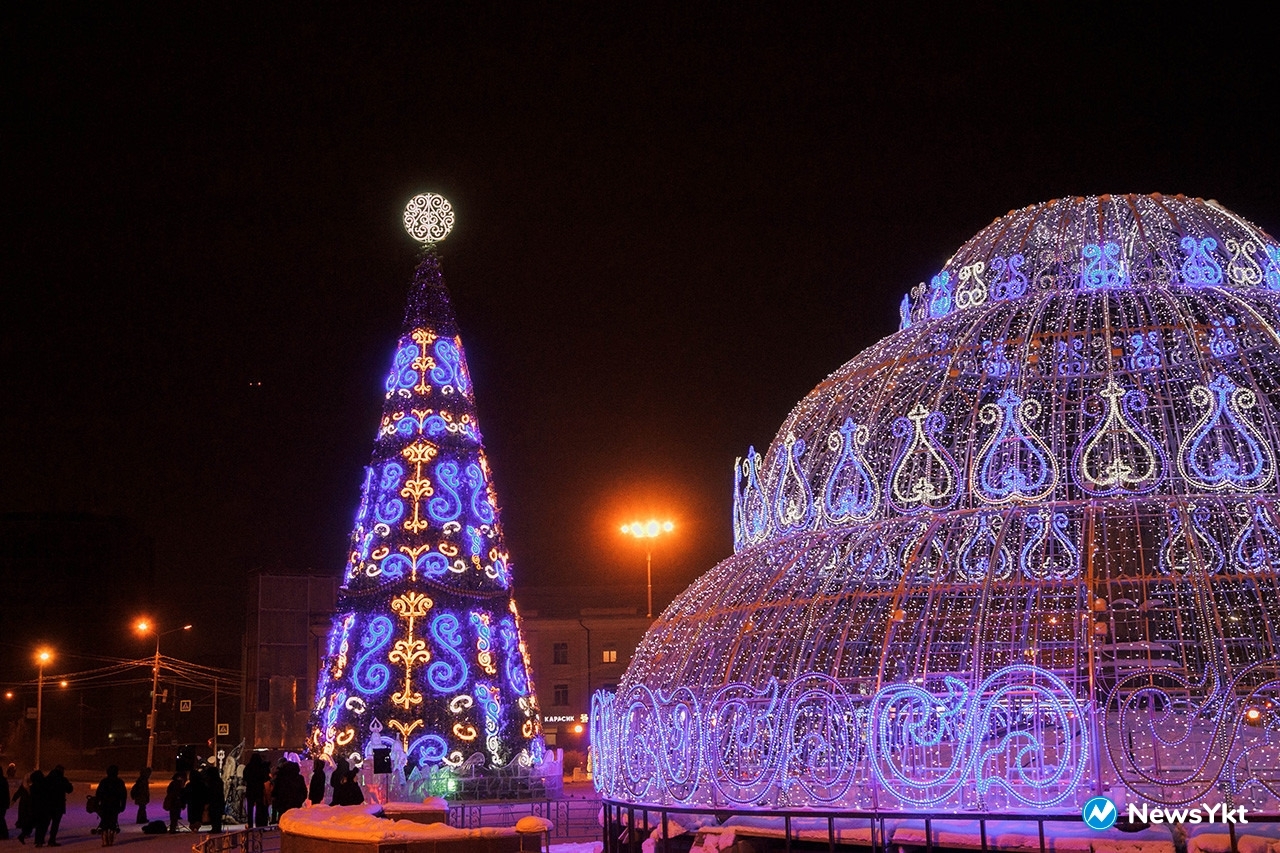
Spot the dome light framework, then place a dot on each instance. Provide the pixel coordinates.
(1019, 553)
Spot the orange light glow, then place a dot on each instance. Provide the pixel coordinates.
(146, 626)
(650, 529)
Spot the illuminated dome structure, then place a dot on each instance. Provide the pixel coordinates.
(1023, 551)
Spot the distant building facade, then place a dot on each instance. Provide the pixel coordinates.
(575, 655)
(285, 633)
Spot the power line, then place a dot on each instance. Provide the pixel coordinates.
(185, 673)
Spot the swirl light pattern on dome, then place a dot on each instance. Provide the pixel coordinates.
(1022, 551)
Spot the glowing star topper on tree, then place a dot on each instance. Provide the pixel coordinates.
(428, 218)
(425, 656)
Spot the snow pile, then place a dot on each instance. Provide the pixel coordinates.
(687, 823)
(533, 823)
(360, 823)
(712, 839)
(674, 828)
(1114, 845)
(847, 830)
(581, 847)
(1220, 842)
(431, 804)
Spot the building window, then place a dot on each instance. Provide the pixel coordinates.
(610, 655)
(560, 653)
(560, 695)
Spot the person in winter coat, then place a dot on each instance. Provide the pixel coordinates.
(289, 790)
(315, 790)
(25, 820)
(51, 804)
(111, 799)
(39, 806)
(6, 797)
(140, 793)
(174, 800)
(340, 768)
(196, 798)
(256, 773)
(217, 800)
(347, 792)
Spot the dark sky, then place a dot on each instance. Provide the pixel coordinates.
(671, 224)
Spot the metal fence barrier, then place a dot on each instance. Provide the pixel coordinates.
(626, 825)
(574, 819)
(261, 839)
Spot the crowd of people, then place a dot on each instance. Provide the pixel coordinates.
(269, 791)
(41, 802)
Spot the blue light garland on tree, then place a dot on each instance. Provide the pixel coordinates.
(426, 655)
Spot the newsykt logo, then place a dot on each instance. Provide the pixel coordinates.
(1204, 813)
(1100, 813)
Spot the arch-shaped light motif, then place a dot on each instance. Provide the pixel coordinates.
(1118, 455)
(1224, 450)
(1015, 463)
(923, 475)
(852, 493)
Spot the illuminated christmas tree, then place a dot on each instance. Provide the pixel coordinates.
(425, 656)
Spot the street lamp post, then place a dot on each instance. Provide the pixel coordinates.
(42, 657)
(144, 627)
(648, 531)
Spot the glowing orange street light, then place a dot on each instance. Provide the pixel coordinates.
(145, 627)
(648, 531)
(43, 656)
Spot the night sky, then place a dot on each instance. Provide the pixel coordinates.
(671, 225)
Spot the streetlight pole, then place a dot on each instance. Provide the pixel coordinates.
(144, 627)
(648, 531)
(215, 720)
(648, 574)
(42, 657)
(151, 718)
